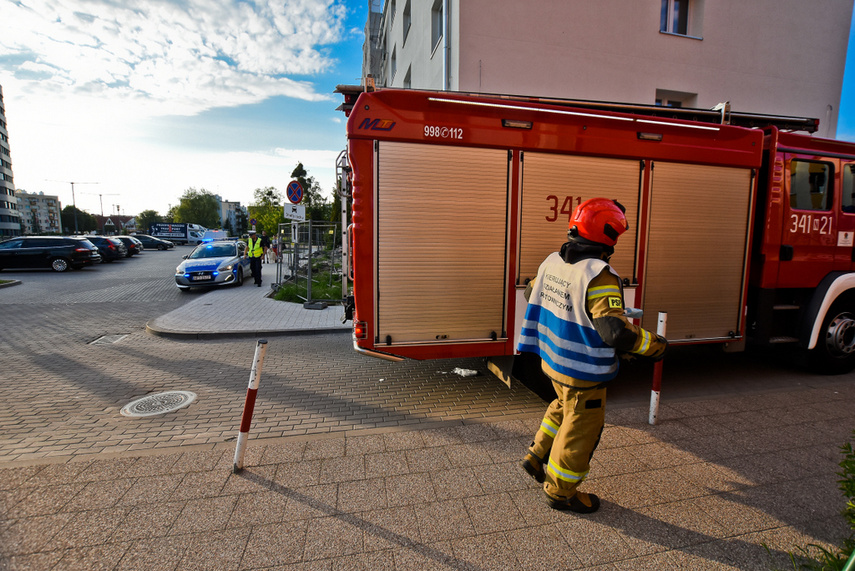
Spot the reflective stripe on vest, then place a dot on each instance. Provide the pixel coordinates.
(557, 326)
(254, 250)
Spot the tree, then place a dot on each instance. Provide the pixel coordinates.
(267, 209)
(85, 221)
(198, 207)
(146, 218)
(317, 207)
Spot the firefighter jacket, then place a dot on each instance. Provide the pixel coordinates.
(254, 249)
(574, 321)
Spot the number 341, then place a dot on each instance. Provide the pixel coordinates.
(568, 203)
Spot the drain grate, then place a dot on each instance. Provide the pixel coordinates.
(108, 339)
(160, 403)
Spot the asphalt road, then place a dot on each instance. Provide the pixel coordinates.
(62, 389)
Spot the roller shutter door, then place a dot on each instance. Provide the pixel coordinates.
(553, 185)
(696, 249)
(441, 243)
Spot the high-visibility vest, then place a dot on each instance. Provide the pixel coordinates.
(254, 249)
(557, 325)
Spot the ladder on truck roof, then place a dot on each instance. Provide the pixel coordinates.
(720, 114)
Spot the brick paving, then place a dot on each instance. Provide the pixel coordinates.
(356, 463)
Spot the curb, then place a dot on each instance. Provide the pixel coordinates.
(11, 283)
(199, 335)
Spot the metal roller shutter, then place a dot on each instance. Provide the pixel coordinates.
(696, 249)
(555, 183)
(442, 281)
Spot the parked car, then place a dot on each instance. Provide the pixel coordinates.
(213, 264)
(154, 243)
(133, 245)
(110, 248)
(56, 252)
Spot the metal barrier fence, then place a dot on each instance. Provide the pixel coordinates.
(309, 253)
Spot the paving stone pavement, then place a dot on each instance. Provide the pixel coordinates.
(355, 463)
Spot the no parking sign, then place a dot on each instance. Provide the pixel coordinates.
(294, 192)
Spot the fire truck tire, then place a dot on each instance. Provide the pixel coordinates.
(834, 353)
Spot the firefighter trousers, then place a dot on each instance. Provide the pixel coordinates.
(569, 433)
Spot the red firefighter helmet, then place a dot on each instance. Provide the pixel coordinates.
(599, 220)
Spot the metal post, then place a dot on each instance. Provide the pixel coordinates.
(309, 282)
(249, 403)
(657, 372)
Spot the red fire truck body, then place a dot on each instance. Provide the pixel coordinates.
(737, 233)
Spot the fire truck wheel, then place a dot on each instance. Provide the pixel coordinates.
(834, 353)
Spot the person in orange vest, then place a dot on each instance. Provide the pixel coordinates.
(575, 323)
(254, 251)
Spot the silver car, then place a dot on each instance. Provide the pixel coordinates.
(213, 264)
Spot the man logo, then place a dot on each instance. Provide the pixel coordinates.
(377, 124)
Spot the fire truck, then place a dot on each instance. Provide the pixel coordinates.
(741, 225)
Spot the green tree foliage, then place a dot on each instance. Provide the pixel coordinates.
(146, 218)
(198, 207)
(85, 221)
(267, 209)
(317, 206)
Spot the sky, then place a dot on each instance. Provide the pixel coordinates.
(135, 101)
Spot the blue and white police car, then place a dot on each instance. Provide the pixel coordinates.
(213, 264)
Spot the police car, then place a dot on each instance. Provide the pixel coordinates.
(213, 264)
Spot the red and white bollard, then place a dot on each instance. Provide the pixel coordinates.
(249, 403)
(657, 372)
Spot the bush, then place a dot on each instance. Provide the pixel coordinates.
(323, 288)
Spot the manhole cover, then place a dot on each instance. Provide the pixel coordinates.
(159, 404)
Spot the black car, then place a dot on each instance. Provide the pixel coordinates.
(55, 252)
(110, 248)
(133, 245)
(154, 243)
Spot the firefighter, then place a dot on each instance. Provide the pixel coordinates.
(575, 322)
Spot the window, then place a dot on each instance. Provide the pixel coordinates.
(670, 98)
(682, 17)
(436, 24)
(847, 200)
(393, 64)
(408, 20)
(810, 185)
(408, 80)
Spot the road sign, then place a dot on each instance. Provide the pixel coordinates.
(295, 212)
(253, 221)
(294, 192)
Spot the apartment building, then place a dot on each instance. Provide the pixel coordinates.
(40, 213)
(766, 56)
(10, 219)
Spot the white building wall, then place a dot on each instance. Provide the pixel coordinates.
(767, 56)
(40, 213)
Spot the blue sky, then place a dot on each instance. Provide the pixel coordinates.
(149, 97)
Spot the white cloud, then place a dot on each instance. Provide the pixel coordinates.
(170, 56)
(83, 78)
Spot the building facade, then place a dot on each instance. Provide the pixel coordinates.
(783, 57)
(10, 219)
(40, 213)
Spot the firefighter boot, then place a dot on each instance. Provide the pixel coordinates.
(534, 466)
(580, 503)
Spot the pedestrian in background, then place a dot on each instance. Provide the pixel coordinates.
(254, 251)
(575, 322)
(265, 245)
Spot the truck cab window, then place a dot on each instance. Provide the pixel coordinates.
(810, 185)
(847, 194)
